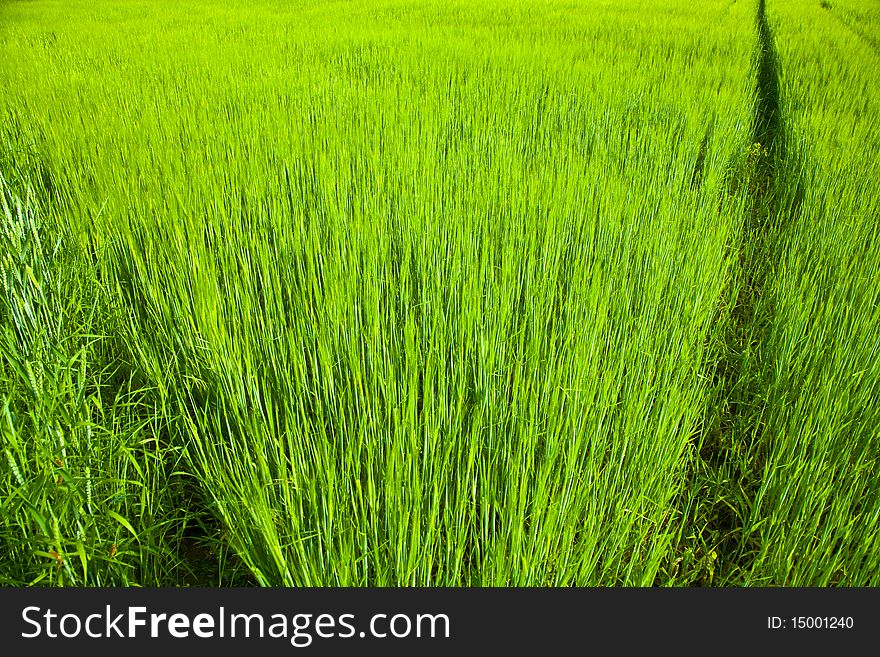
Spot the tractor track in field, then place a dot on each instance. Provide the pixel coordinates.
(739, 460)
(727, 473)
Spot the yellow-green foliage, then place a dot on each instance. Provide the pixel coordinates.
(413, 293)
(815, 515)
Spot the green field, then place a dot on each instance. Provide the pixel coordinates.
(423, 293)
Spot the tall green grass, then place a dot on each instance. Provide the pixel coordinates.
(425, 293)
(814, 519)
(83, 461)
(421, 294)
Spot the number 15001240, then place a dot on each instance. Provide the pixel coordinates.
(810, 623)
